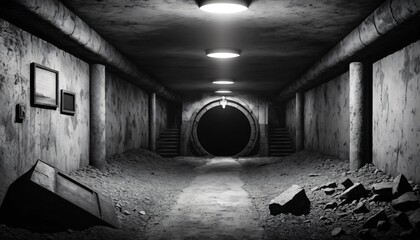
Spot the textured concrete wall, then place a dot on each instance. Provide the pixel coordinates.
(326, 118)
(61, 140)
(162, 109)
(258, 106)
(396, 112)
(290, 119)
(127, 116)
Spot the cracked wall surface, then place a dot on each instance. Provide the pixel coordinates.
(396, 117)
(60, 140)
(326, 117)
(127, 116)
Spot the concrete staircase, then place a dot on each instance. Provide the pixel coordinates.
(279, 142)
(168, 143)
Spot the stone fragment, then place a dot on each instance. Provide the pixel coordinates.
(401, 186)
(293, 200)
(414, 219)
(126, 212)
(364, 234)
(383, 225)
(375, 198)
(373, 220)
(337, 231)
(354, 192)
(361, 208)
(331, 205)
(407, 201)
(329, 185)
(402, 220)
(142, 212)
(347, 183)
(383, 189)
(313, 175)
(329, 191)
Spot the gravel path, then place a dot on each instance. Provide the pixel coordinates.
(214, 206)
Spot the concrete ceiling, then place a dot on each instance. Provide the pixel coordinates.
(279, 39)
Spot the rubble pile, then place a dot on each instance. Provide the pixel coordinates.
(377, 207)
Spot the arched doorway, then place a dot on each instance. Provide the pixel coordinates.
(232, 131)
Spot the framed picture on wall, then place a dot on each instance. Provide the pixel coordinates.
(44, 86)
(68, 102)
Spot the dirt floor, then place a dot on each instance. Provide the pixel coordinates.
(222, 198)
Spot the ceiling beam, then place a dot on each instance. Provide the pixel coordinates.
(389, 27)
(54, 22)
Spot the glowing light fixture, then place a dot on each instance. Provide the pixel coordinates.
(223, 53)
(224, 6)
(223, 102)
(223, 82)
(223, 91)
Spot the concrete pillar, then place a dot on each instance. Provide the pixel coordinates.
(152, 122)
(357, 97)
(97, 116)
(299, 121)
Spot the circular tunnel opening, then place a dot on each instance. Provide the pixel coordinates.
(223, 132)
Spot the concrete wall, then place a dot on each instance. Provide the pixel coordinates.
(290, 119)
(258, 106)
(61, 140)
(162, 109)
(127, 116)
(326, 117)
(396, 112)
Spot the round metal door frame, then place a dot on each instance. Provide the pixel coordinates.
(253, 122)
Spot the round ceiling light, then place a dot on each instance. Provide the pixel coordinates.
(223, 91)
(223, 82)
(223, 53)
(224, 6)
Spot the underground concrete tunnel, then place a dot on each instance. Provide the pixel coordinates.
(209, 119)
(223, 131)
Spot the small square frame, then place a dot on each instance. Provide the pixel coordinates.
(44, 87)
(65, 110)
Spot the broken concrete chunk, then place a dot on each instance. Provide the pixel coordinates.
(414, 219)
(354, 192)
(329, 185)
(329, 191)
(361, 208)
(337, 231)
(407, 201)
(401, 186)
(383, 189)
(293, 200)
(402, 220)
(373, 221)
(347, 183)
(331, 205)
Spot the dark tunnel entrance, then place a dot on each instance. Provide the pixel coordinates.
(224, 132)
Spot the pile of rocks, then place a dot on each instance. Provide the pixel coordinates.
(354, 198)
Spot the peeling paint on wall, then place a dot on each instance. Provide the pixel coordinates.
(127, 116)
(326, 118)
(60, 140)
(396, 122)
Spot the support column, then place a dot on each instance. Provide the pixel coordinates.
(97, 116)
(152, 122)
(299, 121)
(358, 78)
